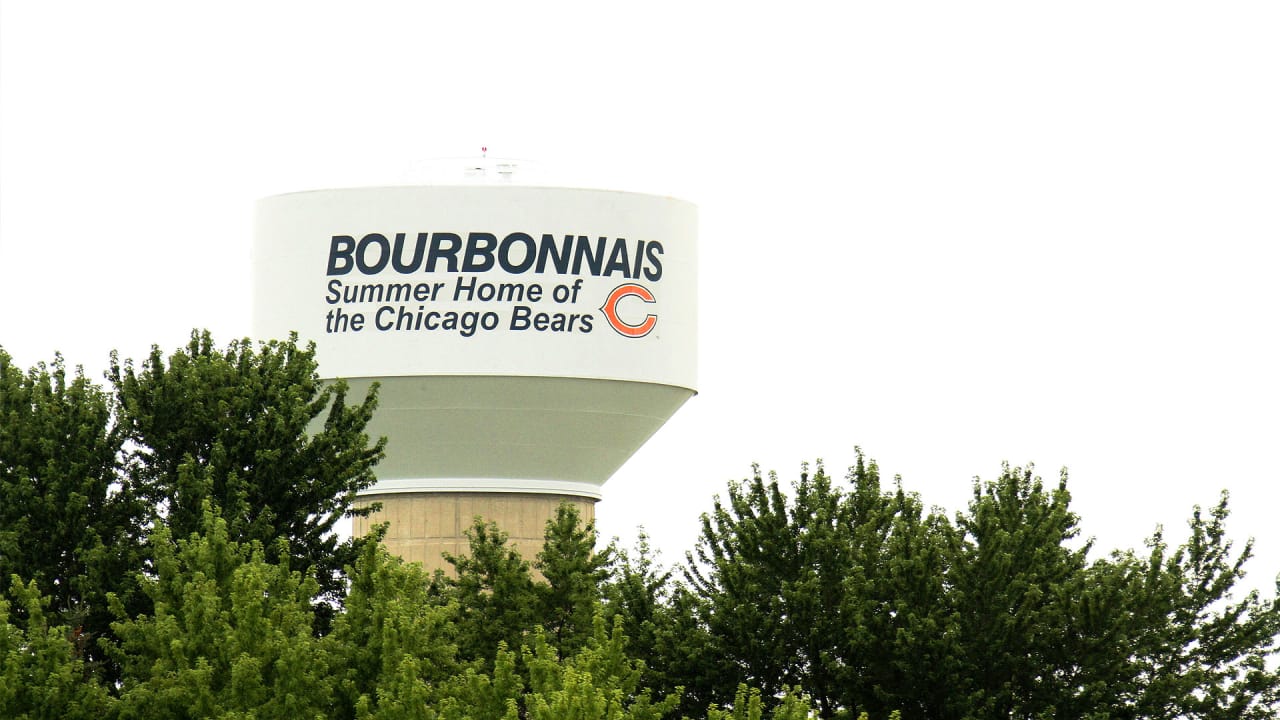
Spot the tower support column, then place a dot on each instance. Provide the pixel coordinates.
(423, 526)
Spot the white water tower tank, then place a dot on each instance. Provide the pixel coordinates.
(527, 340)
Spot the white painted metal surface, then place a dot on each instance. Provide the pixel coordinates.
(527, 339)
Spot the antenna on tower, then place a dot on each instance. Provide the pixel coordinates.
(473, 170)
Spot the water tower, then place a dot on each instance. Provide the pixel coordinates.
(527, 340)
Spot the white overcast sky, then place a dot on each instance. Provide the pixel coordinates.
(950, 233)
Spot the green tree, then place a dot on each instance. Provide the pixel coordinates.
(499, 601)
(1014, 578)
(898, 647)
(494, 594)
(600, 680)
(868, 603)
(805, 591)
(254, 431)
(479, 695)
(43, 675)
(687, 655)
(638, 592)
(1205, 655)
(574, 574)
(68, 521)
(747, 561)
(231, 634)
(747, 705)
(391, 645)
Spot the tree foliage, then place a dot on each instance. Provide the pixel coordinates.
(254, 431)
(638, 593)
(68, 523)
(499, 601)
(393, 643)
(494, 594)
(86, 471)
(167, 550)
(574, 572)
(1205, 655)
(230, 634)
(598, 680)
(43, 672)
(870, 604)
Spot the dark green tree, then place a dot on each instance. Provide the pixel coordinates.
(638, 593)
(869, 603)
(392, 644)
(574, 574)
(897, 644)
(802, 590)
(1013, 579)
(747, 560)
(254, 431)
(1205, 654)
(499, 600)
(687, 655)
(494, 594)
(1048, 633)
(68, 521)
(476, 694)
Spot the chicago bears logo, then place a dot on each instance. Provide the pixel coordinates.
(622, 327)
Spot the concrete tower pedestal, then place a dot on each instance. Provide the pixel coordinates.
(424, 526)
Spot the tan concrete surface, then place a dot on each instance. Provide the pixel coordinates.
(423, 526)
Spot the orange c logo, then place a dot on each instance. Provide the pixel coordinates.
(624, 328)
